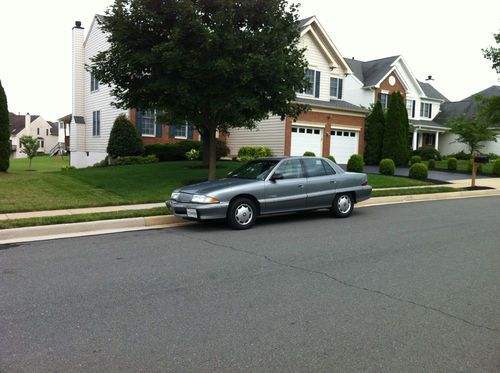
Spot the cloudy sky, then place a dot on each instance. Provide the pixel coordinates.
(439, 38)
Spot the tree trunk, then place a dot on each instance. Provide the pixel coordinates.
(205, 141)
(474, 171)
(212, 153)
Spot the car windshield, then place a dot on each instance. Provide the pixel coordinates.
(257, 170)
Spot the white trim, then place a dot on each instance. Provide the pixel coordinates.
(309, 125)
(340, 127)
(348, 112)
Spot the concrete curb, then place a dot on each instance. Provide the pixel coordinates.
(46, 232)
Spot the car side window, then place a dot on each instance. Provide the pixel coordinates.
(290, 169)
(329, 169)
(314, 167)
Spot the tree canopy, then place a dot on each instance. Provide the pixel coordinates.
(30, 147)
(395, 143)
(374, 134)
(217, 64)
(124, 140)
(4, 131)
(472, 131)
(493, 54)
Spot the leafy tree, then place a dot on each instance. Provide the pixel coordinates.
(124, 140)
(395, 143)
(493, 54)
(218, 64)
(30, 147)
(4, 132)
(374, 134)
(472, 131)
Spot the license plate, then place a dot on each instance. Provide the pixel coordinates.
(192, 213)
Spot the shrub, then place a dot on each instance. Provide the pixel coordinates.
(248, 153)
(330, 157)
(355, 163)
(452, 163)
(496, 167)
(193, 155)
(309, 154)
(461, 156)
(415, 159)
(124, 140)
(432, 164)
(418, 171)
(221, 149)
(427, 153)
(387, 166)
(171, 152)
(67, 167)
(122, 161)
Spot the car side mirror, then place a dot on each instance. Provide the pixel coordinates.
(277, 176)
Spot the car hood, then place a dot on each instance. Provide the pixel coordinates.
(208, 187)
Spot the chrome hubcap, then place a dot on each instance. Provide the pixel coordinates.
(344, 204)
(243, 214)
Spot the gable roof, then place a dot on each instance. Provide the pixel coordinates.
(431, 92)
(332, 104)
(370, 73)
(18, 122)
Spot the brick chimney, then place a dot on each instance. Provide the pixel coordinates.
(78, 70)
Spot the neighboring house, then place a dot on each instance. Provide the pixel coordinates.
(31, 125)
(64, 132)
(377, 79)
(333, 126)
(468, 106)
(93, 114)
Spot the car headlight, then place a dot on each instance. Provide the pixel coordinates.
(197, 198)
(175, 196)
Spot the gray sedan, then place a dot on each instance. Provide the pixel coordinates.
(270, 186)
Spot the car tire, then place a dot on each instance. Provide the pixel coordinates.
(342, 205)
(242, 213)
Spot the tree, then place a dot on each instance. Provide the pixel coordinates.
(124, 140)
(4, 132)
(493, 54)
(395, 143)
(217, 64)
(30, 147)
(472, 131)
(374, 134)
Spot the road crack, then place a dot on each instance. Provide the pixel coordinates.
(344, 283)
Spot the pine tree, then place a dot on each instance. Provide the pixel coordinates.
(4, 132)
(395, 144)
(124, 139)
(374, 135)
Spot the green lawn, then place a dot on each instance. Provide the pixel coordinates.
(120, 185)
(463, 166)
(42, 163)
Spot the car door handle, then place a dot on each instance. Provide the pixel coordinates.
(333, 182)
(301, 185)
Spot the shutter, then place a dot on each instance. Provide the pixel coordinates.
(380, 97)
(413, 109)
(190, 131)
(340, 86)
(138, 121)
(430, 110)
(171, 131)
(421, 109)
(158, 128)
(316, 88)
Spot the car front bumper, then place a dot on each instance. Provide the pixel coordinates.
(203, 211)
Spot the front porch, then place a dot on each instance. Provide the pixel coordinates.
(426, 133)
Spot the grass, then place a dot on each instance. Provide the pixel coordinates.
(463, 166)
(405, 192)
(65, 219)
(383, 181)
(42, 163)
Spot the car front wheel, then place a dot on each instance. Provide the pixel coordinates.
(242, 213)
(342, 205)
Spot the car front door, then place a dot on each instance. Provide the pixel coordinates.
(321, 183)
(287, 193)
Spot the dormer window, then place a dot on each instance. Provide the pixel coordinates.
(336, 88)
(425, 110)
(314, 77)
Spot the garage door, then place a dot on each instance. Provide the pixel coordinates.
(306, 139)
(343, 144)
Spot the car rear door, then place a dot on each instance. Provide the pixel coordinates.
(321, 183)
(289, 193)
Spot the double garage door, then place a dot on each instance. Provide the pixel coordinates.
(343, 143)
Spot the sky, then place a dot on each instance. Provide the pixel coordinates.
(442, 38)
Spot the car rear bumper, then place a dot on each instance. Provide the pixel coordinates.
(203, 211)
(363, 193)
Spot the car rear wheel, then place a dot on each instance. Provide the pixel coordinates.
(342, 205)
(242, 213)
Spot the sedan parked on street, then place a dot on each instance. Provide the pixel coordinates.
(271, 186)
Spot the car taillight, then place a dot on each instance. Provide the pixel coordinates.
(364, 183)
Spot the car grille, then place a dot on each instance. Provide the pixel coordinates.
(184, 197)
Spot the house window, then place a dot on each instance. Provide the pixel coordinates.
(409, 107)
(384, 99)
(96, 123)
(148, 123)
(313, 77)
(425, 110)
(94, 83)
(38, 131)
(61, 125)
(336, 88)
(40, 143)
(181, 131)
(46, 132)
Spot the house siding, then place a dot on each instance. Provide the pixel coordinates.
(269, 132)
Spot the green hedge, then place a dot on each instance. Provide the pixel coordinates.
(415, 159)
(135, 160)
(171, 152)
(427, 153)
(432, 164)
(309, 154)
(387, 167)
(418, 171)
(248, 153)
(496, 167)
(221, 149)
(452, 164)
(332, 158)
(355, 163)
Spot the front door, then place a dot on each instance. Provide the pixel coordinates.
(289, 193)
(321, 183)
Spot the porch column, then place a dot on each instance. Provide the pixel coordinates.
(414, 145)
(436, 142)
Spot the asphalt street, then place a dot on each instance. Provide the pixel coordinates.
(409, 287)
